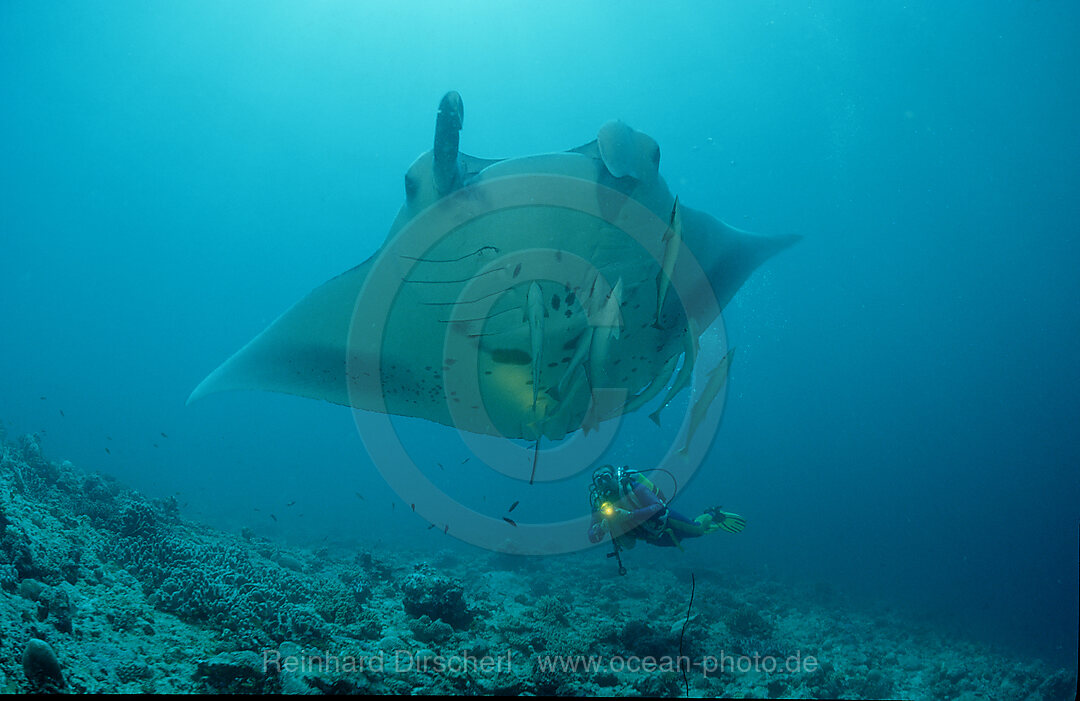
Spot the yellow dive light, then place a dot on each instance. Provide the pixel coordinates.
(607, 509)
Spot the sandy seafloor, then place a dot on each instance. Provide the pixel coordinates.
(128, 596)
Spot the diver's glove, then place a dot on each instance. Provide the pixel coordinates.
(597, 531)
(732, 523)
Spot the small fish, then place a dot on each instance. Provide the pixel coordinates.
(536, 455)
(42, 398)
(359, 496)
(534, 305)
(163, 435)
(691, 346)
(608, 326)
(440, 466)
(672, 241)
(413, 506)
(510, 521)
(431, 526)
(465, 461)
(581, 353)
(717, 378)
(256, 509)
(393, 506)
(62, 413)
(513, 506)
(155, 445)
(659, 382)
(108, 438)
(291, 503)
(108, 451)
(273, 517)
(446, 529)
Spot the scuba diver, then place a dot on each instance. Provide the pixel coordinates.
(629, 507)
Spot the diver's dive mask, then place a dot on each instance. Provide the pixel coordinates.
(605, 487)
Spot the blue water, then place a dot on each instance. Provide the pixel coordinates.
(902, 417)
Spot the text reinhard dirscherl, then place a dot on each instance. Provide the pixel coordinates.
(402, 661)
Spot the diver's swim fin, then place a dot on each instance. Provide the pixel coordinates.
(732, 523)
(717, 519)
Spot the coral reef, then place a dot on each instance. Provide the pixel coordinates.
(105, 590)
(425, 593)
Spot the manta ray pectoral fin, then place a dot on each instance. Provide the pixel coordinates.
(303, 352)
(729, 255)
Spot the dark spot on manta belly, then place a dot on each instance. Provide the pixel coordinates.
(511, 356)
(554, 301)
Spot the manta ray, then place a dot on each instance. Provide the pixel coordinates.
(523, 297)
